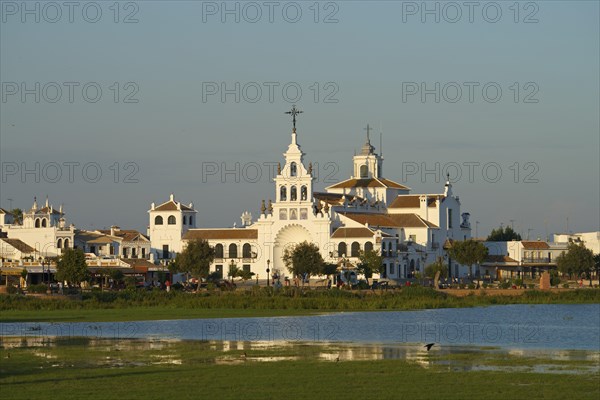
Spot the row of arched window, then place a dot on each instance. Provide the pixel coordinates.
(41, 222)
(62, 244)
(233, 251)
(171, 220)
(354, 249)
(293, 193)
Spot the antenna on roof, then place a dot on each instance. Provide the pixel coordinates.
(380, 140)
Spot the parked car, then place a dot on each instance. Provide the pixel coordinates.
(225, 284)
(380, 285)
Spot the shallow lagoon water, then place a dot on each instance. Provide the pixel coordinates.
(521, 326)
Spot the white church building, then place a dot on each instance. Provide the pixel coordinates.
(366, 211)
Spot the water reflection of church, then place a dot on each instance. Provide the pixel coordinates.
(366, 211)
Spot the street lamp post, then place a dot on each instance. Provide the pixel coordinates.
(268, 270)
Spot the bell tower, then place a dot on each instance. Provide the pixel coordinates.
(367, 164)
(293, 183)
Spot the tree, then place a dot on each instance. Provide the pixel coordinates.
(597, 264)
(71, 267)
(370, 261)
(195, 259)
(503, 235)
(245, 275)
(234, 271)
(578, 260)
(304, 258)
(436, 270)
(18, 215)
(468, 252)
(433, 268)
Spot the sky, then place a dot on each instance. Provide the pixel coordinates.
(109, 106)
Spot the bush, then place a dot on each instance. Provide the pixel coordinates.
(565, 285)
(12, 289)
(40, 288)
(471, 286)
(519, 282)
(462, 286)
(505, 285)
(485, 285)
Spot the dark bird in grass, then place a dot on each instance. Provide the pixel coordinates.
(337, 359)
(429, 346)
(244, 356)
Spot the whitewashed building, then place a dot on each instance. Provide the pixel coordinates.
(43, 229)
(366, 211)
(168, 223)
(591, 240)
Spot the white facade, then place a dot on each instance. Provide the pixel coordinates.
(365, 211)
(44, 229)
(168, 223)
(591, 240)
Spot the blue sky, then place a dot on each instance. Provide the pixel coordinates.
(548, 151)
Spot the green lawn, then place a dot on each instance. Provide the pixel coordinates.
(156, 305)
(185, 370)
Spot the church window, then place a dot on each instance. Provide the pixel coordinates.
(368, 246)
(59, 244)
(303, 213)
(165, 252)
(184, 220)
(293, 169)
(283, 193)
(342, 249)
(66, 244)
(158, 220)
(233, 250)
(392, 271)
(364, 171)
(44, 222)
(303, 193)
(171, 220)
(246, 250)
(293, 213)
(390, 252)
(293, 193)
(355, 249)
(449, 218)
(37, 222)
(283, 214)
(190, 220)
(219, 251)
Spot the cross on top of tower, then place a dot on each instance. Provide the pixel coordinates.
(293, 112)
(368, 129)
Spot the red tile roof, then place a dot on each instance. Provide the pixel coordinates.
(412, 201)
(172, 206)
(214, 234)
(128, 235)
(352, 233)
(491, 259)
(46, 210)
(19, 245)
(534, 245)
(369, 182)
(390, 220)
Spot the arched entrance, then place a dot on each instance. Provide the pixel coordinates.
(288, 236)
